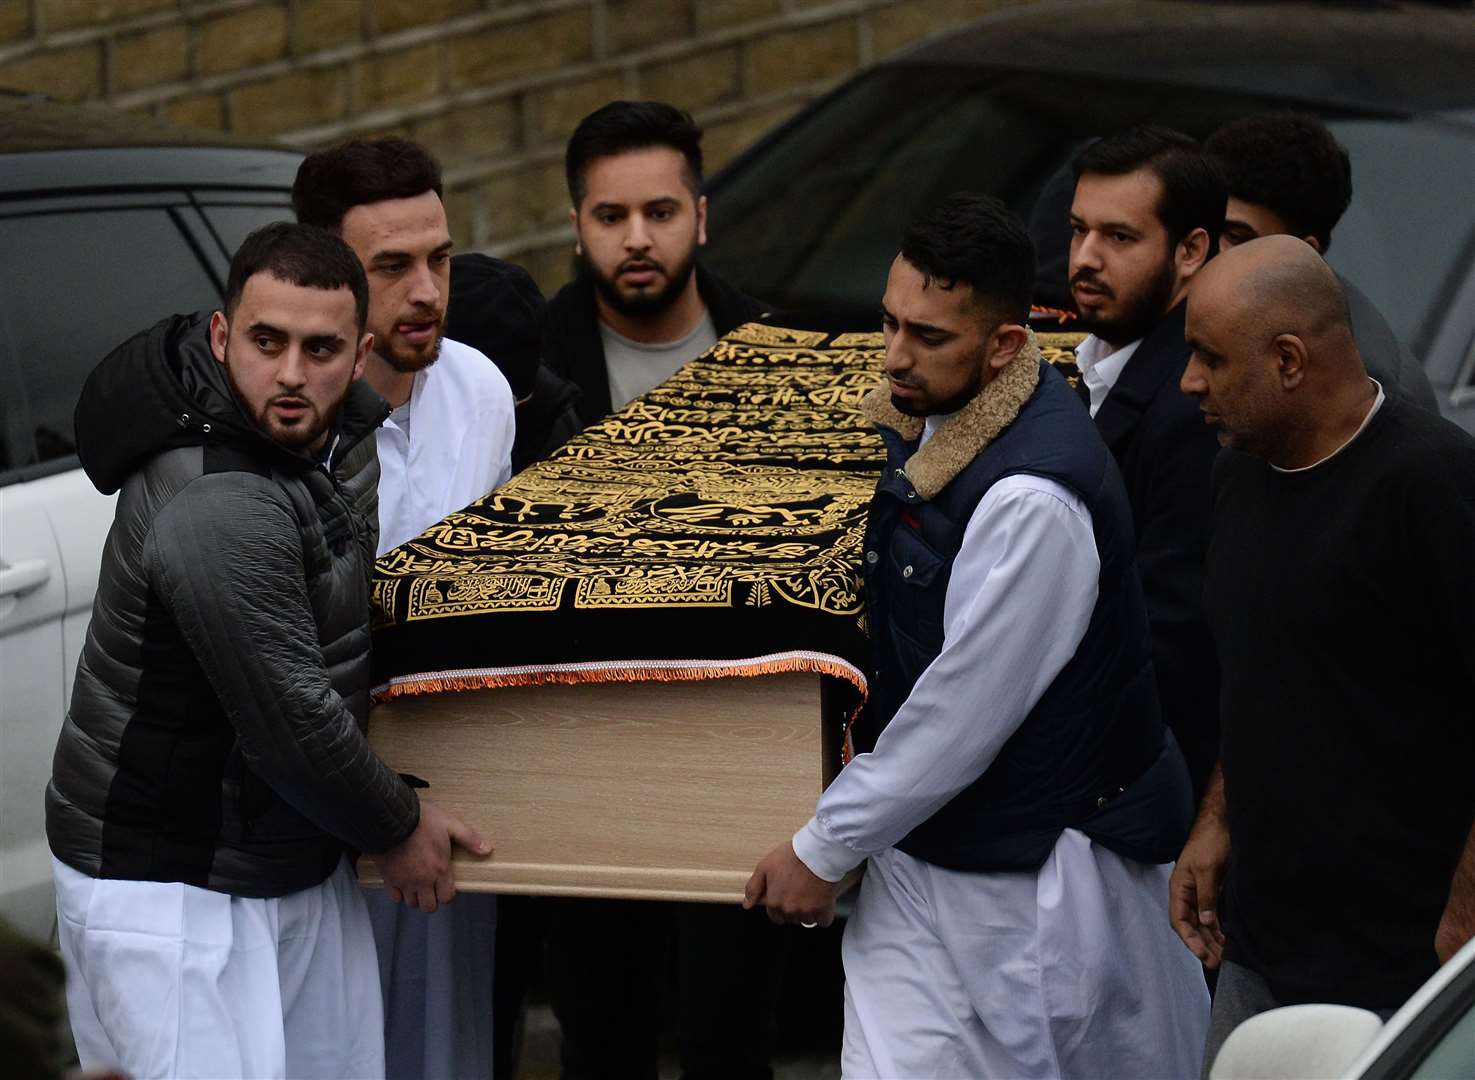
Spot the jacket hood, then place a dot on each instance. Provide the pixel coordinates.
(163, 389)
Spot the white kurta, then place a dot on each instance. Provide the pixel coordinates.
(436, 970)
(458, 447)
(1072, 970)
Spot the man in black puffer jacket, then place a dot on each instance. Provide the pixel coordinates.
(213, 769)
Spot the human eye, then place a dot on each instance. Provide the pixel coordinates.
(264, 342)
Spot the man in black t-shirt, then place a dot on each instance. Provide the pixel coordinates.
(1341, 593)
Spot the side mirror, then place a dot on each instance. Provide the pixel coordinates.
(1296, 1041)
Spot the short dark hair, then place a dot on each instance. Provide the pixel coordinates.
(622, 126)
(1194, 195)
(302, 255)
(1290, 164)
(975, 240)
(332, 182)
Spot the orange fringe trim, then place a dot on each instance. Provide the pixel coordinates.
(654, 673)
(1061, 316)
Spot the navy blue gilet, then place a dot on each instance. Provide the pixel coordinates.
(1094, 753)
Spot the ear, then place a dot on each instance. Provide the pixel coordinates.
(219, 335)
(1192, 253)
(573, 219)
(701, 221)
(1004, 344)
(1290, 360)
(366, 345)
(1314, 242)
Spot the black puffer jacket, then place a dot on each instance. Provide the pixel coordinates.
(216, 729)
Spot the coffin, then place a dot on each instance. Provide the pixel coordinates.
(630, 668)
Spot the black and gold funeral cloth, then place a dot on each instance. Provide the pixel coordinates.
(711, 528)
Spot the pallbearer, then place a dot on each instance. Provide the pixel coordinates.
(1016, 799)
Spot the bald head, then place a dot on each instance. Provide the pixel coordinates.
(1274, 366)
(1276, 285)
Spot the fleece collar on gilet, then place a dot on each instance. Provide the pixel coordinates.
(964, 435)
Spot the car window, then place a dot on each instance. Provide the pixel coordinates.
(1453, 1056)
(1404, 238)
(74, 285)
(232, 224)
(813, 217)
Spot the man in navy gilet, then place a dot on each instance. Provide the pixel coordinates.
(1015, 797)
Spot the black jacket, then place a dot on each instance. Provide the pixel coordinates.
(574, 350)
(1166, 453)
(1386, 358)
(215, 735)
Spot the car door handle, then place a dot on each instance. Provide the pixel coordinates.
(21, 577)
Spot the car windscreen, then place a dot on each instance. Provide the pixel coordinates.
(811, 219)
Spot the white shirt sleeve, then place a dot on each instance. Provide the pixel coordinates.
(1020, 597)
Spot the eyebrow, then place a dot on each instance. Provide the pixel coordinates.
(918, 327)
(381, 256)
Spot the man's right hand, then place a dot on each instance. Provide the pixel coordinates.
(1193, 890)
(418, 869)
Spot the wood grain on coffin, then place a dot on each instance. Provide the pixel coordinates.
(654, 790)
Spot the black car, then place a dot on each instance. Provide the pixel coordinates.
(811, 217)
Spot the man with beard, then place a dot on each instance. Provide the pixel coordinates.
(449, 439)
(447, 442)
(213, 771)
(641, 308)
(641, 305)
(1145, 218)
(1015, 797)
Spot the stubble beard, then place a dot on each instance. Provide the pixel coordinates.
(409, 363)
(908, 407)
(641, 306)
(296, 438)
(1139, 318)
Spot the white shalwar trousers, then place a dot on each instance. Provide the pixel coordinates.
(435, 974)
(170, 980)
(1072, 971)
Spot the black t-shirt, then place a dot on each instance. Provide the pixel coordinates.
(1342, 601)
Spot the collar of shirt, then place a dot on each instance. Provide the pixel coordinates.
(1366, 420)
(1101, 365)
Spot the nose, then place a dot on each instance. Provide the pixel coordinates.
(292, 368)
(637, 236)
(425, 287)
(1193, 382)
(898, 356)
(1085, 252)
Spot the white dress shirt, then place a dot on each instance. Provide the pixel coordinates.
(457, 444)
(1072, 970)
(1018, 602)
(1101, 366)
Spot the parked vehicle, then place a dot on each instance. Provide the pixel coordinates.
(108, 223)
(1431, 1038)
(811, 217)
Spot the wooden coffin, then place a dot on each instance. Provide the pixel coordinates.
(654, 790)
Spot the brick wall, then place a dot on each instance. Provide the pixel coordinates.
(493, 87)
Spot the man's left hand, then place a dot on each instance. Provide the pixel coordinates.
(789, 890)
